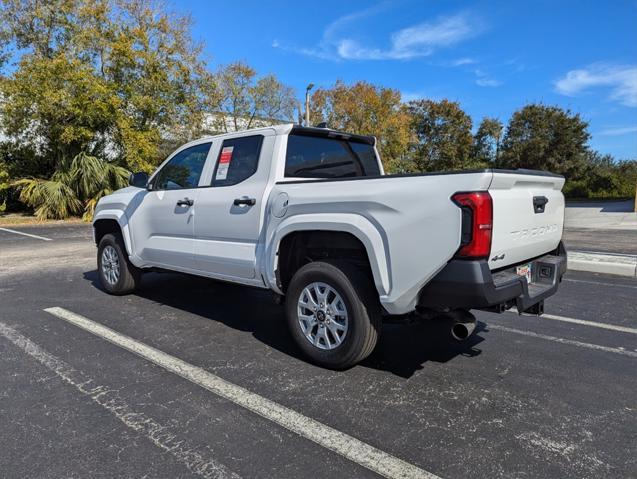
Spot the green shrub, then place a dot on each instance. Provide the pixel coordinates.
(576, 189)
(603, 177)
(74, 190)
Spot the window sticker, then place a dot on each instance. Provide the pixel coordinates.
(224, 162)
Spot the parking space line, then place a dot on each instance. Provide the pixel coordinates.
(595, 324)
(343, 444)
(197, 460)
(572, 342)
(8, 230)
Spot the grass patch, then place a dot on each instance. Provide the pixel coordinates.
(16, 219)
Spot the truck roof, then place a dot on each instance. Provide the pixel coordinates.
(287, 128)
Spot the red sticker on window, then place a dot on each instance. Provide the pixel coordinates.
(226, 154)
(224, 162)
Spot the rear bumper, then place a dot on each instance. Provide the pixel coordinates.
(471, 285)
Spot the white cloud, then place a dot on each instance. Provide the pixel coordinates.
(462, 61)
(444, 31)
(488, 82)
(482, 79)
(618, 131)
(516, 65)
(620, 79)
(415, 41)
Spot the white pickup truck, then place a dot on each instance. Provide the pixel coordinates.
(309, 214)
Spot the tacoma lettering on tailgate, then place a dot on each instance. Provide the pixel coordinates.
(533, 232)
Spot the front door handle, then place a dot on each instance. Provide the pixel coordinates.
(185, 202)
(245, 201)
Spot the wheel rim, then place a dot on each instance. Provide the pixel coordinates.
(322, 316)
(110, 265)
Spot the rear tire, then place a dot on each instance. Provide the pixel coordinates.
(341, 329)
(117, 274)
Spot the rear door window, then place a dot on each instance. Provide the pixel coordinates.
(320, 157)
(238, 160)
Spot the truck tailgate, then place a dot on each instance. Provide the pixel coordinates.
(528, 216)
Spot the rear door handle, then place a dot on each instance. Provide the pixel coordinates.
(245, 201)
(185, 202)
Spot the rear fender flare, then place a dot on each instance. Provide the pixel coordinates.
(357, 225)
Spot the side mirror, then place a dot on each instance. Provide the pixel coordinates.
(138, 180)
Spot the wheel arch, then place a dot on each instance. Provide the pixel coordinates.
(112, 222)
(347, 230)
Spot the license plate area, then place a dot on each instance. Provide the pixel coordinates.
(525, 270)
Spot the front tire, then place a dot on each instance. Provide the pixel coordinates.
(117, 275)
(333, 313)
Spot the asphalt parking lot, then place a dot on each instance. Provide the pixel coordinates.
(198, 378)
(601, 240)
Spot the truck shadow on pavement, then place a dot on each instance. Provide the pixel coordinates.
(403, 348)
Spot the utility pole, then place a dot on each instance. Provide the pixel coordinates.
(299, 117)
(307, 104)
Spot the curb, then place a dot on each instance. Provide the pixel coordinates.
(621, 265)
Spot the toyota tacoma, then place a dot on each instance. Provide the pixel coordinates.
(309, 214)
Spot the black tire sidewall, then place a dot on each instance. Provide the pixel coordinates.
(124, 273)
(358, 319)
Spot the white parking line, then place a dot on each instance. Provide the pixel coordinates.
(197, 460)
(595, 324)
(343, 444)
(572, 342)
(612, 327)
(25, 234)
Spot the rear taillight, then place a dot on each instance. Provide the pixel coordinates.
(477, 223)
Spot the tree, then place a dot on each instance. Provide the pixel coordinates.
(545, 138)
(60, 106)
(35, 25)
(244, 101)
(74, 188)
(104, 84)
(366, 109)
(110, 78)
(443, 132)
(487, 141)
(4, 186)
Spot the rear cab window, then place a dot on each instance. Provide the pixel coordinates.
(321, 156)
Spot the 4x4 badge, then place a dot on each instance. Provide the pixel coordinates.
(498, 257)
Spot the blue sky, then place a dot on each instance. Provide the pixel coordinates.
(493, 57)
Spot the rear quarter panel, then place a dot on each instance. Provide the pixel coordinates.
(414, 217)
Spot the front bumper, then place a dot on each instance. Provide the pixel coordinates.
(466, 284)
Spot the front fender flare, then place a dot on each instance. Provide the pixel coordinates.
(122, 220)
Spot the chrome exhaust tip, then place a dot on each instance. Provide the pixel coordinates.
(461, 331)
(463, 326)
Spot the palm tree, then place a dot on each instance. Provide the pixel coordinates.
(74, 189)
